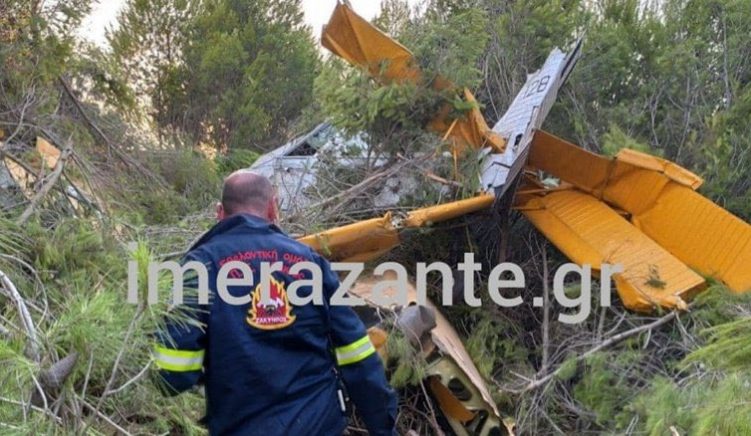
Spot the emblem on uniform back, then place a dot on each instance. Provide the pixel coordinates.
(276, 313)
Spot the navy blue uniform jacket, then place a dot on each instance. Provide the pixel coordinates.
(271, 369)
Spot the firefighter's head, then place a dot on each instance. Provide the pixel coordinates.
(247, 192)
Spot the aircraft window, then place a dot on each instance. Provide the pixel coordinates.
(304, 149)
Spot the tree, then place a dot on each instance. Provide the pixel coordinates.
(247, 71)
(147, 45)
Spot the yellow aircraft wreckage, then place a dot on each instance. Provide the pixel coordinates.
(642, 212)
(355, 40)
(636, 210)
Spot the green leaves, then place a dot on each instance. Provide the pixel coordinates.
(230, 74)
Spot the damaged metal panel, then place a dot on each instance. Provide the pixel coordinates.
(672, 228)
(454, 380)
(292, 167)
(526, 113)
(355, 40)
(589, 232)
(358, 42)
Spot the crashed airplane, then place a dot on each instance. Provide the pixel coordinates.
(637, 210)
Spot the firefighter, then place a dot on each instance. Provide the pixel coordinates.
(269, 369)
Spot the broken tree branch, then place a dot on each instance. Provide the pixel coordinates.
(534, 384)
(546, 312)
(23, 311)
(98, 133)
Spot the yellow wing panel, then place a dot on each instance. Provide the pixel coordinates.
(672, 170)
(590, 232)
(355, 40)
(584, 169)
(447, 211)
(702, 234)
(660, 198)
(369, 239)
(632, 188)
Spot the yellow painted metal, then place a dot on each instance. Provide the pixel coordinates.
(454, 363)
(701, 234)
(443, 212)
(588, 231)
(672, 170)
(355, 40)
(586, 170)
(450, 405)
(659, 199)
(358, 242)
(366, 240)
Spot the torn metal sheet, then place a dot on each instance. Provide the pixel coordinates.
(355, 40)
(526, 113)
(461, 392)
(666, 229)
(358, 42)
(293, 167)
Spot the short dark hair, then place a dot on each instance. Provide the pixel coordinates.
(244, 190)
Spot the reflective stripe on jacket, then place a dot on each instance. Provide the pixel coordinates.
(269, 369)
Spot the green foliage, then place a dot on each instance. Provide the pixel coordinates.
(567, 370)
(728, 345)
(451, 45)
(70, 248)
(489, 350)
(616, 139)
(193, 185)
(393, 116)
(36, 43)
(705, 407)
(148, 43)
(410, 366)
(245, 74)
(604, 388)
(83, 294)
(235, 159)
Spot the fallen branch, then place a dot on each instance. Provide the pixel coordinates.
(23, 311)
(53, 177)
(534, 384)
(115, 366)
(106, 418)
(56, 418)
(131, 381)
(97, 132)
(360, 187)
